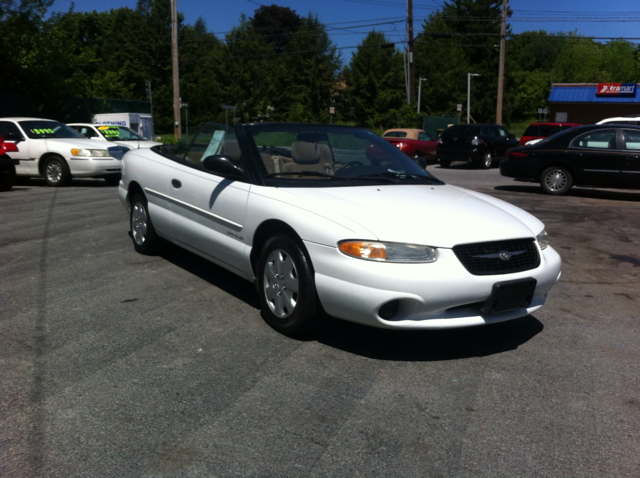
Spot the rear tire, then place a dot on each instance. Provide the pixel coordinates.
(444, 163)
(112, 180)
(286, 286)
(56, 172)
(487, 160)
(145, 239)
(556, 180)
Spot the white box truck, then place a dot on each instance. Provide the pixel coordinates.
(141, 123)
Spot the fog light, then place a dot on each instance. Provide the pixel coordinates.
(389, 310)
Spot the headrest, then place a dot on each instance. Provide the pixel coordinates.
(305, 153)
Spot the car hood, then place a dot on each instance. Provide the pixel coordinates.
(136, 144)
(72, 143)
(439, 215)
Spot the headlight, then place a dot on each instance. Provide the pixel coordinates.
(543, 239)
(388, 251)
(95, 153)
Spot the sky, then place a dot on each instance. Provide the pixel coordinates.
(349, 21)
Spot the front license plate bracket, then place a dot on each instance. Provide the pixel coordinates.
(510, 295)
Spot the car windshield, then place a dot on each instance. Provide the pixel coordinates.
(395, 134)
(554, 136)
(38, 129)
(119, 133)
(314, 155)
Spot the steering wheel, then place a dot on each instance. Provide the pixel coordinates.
(351, 163)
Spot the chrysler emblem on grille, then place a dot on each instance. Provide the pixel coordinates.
(502, 255)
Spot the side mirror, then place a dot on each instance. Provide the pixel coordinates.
(15, 137)
(224, 166)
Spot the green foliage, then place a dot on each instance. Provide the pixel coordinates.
(280, 66)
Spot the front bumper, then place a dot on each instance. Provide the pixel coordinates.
(94, 167)
(434, 295)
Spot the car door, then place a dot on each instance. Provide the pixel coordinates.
(597, 158)
(208, 211)
(630, 172)
(427, 145)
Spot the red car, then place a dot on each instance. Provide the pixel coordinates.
(413, 142)
(544, 130)
(7, 165)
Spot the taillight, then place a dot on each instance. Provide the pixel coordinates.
(401, 145)
(10, 147)
(516, 154)
(476, 141)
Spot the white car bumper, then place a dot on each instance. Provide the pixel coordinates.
(92, 167)
(434, 295)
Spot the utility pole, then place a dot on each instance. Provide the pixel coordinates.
(411, 68)
(176, 71)
(503, 44)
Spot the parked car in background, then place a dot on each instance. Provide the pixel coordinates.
(543, 130)
(322, 218)
(630, 119)
(114, 134)
(480, 144)
(56, 152)
(7, 164)
(606, 155)
(415, 143)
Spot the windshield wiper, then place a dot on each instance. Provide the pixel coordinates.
(393, 175)
(303, 173)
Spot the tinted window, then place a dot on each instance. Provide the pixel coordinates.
(631, 139)
(460, 131)
(6, 128)
(424, 137)
(502, 132)
(396, 134)
(36, 129)
(532, 130)
(601, 139)
(119, 133)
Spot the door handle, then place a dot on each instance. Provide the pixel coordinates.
(176, 184)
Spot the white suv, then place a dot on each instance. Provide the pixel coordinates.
(53, 150)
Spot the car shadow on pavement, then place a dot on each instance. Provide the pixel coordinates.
(613, 195)
(429, 345)
(212, 273)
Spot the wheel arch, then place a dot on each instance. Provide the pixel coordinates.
(133, 189)
(269, 229)
(43, 159)
(555, 164)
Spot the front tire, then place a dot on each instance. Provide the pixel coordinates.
(556, 180)
(56, 172)
(145, 239)
(287, 288)
(487, 160)
(444, 163)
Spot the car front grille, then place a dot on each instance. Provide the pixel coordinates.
(498, 257)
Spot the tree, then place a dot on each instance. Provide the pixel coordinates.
(375, 87)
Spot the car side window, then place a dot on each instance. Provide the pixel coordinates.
(600, 139)
(503, 132)
(424, 137)
(6, 128)
(631, 139)
(213, 139)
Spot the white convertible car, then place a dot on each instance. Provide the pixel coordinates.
(335, 220)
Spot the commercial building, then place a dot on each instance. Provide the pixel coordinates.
(588, 103)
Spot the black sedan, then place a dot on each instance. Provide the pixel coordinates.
(605, 155)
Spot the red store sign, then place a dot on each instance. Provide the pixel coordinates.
(616, 89)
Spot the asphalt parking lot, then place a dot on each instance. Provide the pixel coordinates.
(115, 364)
